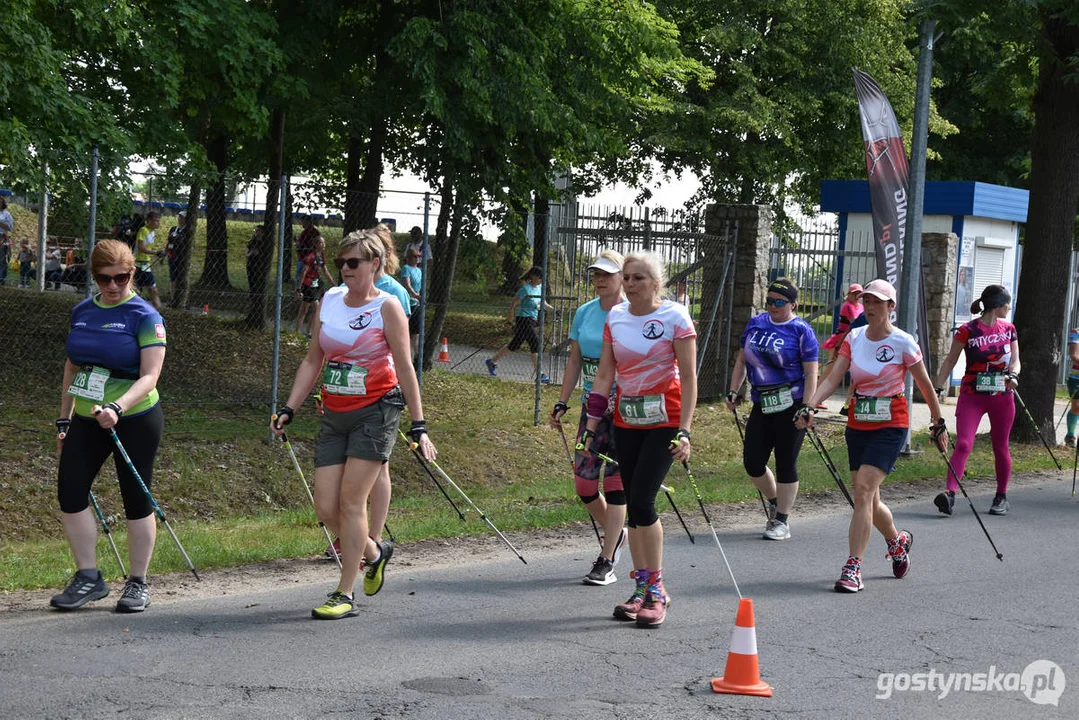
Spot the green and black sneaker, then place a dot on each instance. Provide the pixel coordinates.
(338, 606)
(375, 575)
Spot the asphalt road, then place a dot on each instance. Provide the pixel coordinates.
(500, 639)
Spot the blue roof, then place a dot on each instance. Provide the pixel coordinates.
(941, 198)
(5, 191)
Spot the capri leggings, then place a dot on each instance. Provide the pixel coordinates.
(86, 448)
(645, 458)
(968, 413)
(587, 465)
(765, 433)
(525, 329)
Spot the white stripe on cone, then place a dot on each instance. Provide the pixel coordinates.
(744, 641)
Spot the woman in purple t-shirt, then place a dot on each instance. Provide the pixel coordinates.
(991, 347)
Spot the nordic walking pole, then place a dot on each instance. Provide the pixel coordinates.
(665, 488)
(149, 496)
(307, 489)
(570, 455)
(700, 502)
(108, 534)
(1036, 428)
(818, 445)
(738, 424)
(963, 490)
(423, 461)
(431, 475)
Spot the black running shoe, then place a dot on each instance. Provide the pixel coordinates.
(85, 586)
(944, 502)
(135, 598)
(602, 573)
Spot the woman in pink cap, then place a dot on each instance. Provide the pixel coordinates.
(879, 356)
(848, 312)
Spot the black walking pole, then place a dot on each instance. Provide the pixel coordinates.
(307, 488)
(431, 475)
(1036, 428)
(569, 454)
(764, 506)
(963, 490)
(818, 445)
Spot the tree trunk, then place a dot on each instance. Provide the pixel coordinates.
(1054, 197)
(542, 219)
(367, 197)
(215, 267)
(183, 247)
(353, 207)
(438, 295)
(514, 241)
(260, 255)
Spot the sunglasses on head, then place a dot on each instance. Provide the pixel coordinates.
(119, 279)
(352, 262)
(778, 302)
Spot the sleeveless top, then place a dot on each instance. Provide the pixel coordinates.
(359, 366)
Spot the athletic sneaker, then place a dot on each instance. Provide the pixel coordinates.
(999, 506)
(1069, 440)
(779, 531)
(135, 598)
(544, 379)
(629, 609)
(771, 518)
(850, 580)
(85, 586)
(375, 575)
(338, 606)
(623, 541)
(602, 573)
(899, 552)
(491, 367)
(945, 502)
(654, 610)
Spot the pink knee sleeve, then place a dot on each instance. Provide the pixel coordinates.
(612, 483)
(587, 488)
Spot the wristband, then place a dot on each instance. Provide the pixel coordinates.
(938, 428)
(284, 416)
(732, 396)
(116, 409)
(596, 407)
(63, 425)
(680, 436)
(418, 430)
(803, 412)
(559, 410)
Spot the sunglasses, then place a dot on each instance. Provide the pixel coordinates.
(352, 262)
(119, 279)
(778, 302)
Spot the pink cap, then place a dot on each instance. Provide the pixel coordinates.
(854, 287)
(880, 289)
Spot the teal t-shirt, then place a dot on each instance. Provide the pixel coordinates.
(587, 330)
(530, 297)
(415, 277)
(388, 284)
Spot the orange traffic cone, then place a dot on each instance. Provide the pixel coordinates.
(444, 352)
(742, 677)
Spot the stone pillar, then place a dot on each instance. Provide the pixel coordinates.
(940, 256)
(750, 277)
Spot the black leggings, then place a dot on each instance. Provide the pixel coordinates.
(88, 445)
(644, 457)
(767, 432)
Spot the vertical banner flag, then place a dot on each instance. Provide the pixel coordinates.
(886, 163)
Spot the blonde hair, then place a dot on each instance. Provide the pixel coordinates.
(111, 252)
(390, 262)
(613, 256)
(653, 264)
(368, 243)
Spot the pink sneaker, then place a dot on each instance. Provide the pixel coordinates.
(654, 611)
(898, 551)
(850, 580)
(629, 609)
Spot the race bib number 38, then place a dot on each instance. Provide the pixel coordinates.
(89, 383)
(990, 382)
(873, 409)
(643, 409)
(341, 378)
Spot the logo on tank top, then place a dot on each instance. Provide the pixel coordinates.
(885, 353)
(360, 321)
(653, 330)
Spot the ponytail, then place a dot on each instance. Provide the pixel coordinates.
(976, 307)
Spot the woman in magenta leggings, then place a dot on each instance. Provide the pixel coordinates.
(991, 347)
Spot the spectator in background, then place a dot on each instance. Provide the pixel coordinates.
(144, 257)
(7, 224)
(310, 287)
(305, 244)
(415, 236)
(524, 320)
(26, 265)
(412, 279)
(176, 238)
(53, 271)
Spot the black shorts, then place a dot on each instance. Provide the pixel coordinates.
(879, 448)
(144, 278)
(414, 321)
(310, 293)
(525, 329)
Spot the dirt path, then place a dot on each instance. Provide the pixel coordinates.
(444, 553)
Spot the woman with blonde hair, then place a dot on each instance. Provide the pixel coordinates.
(115, 352)
(359, 346)
(650, 344)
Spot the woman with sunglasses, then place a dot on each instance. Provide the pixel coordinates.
(359, 349)
(115, 351)
(779, 355)
(879, 356)
(586, 344)
(651, 345)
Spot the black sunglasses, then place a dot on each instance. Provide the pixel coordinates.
(119, 279)
(778, 302)
(352, 262)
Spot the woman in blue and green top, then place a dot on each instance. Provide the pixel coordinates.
(586, 344)
(524, 316)
(115, 351)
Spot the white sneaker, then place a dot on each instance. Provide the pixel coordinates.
(779, 531)
(623, 541)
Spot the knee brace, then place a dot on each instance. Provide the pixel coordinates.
(589, 498)
(616, 497)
